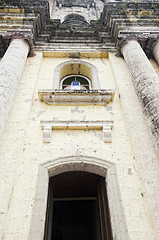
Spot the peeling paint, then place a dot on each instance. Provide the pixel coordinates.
(40, 113)
(97, 134)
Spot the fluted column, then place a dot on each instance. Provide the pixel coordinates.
(145, 79)
(11, 68)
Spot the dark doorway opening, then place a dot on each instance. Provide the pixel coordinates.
(77, 208)
(75, 220)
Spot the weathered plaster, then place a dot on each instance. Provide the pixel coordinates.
(29, 161)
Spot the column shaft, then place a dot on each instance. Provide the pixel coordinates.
(155, 51)
(146, 82)
(11, 67)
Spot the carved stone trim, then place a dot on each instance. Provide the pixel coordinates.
(76, 97)
(106, 126)
(7, 37)
(47, 133)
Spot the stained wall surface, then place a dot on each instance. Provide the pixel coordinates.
(89, 13)
(26, 162)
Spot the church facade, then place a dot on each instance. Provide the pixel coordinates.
(79, 120)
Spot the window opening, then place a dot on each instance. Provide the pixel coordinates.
(76, 82)
(78, 68)
(77, 208)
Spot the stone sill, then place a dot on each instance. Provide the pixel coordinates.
(76, 97)
(49, 126)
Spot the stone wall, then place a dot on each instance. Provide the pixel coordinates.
(129, 162)
(27, 162)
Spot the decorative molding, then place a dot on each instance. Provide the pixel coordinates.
(47, 128)
(7, 37)
(76, 97)
(106, 126)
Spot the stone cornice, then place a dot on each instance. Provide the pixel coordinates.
(116, 17)
(7, 37)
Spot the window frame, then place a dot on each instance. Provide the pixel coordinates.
(100, 197)
(75, 75)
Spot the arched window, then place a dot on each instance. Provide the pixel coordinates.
(76, 68)
(75, 82)
(76, 75)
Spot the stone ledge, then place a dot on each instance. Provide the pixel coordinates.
(76, 97)
(106, 126)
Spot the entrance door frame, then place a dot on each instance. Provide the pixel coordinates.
(100, 196)
(97, 166)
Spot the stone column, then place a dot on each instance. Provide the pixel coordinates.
(155, 51)
(145, 79)
(11, 68)
(152, 46)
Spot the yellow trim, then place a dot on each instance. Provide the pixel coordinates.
(3, 10)
(79, 55)
(11, 10)
(11, 18)
(14, 10)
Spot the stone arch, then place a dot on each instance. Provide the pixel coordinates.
(97, 166)
(76, 67)
(75, 20)
(84, 14)
(75, 16)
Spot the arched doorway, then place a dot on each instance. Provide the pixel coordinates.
(98, 166)
(77, 208)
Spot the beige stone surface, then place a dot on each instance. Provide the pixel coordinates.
(129, 162)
